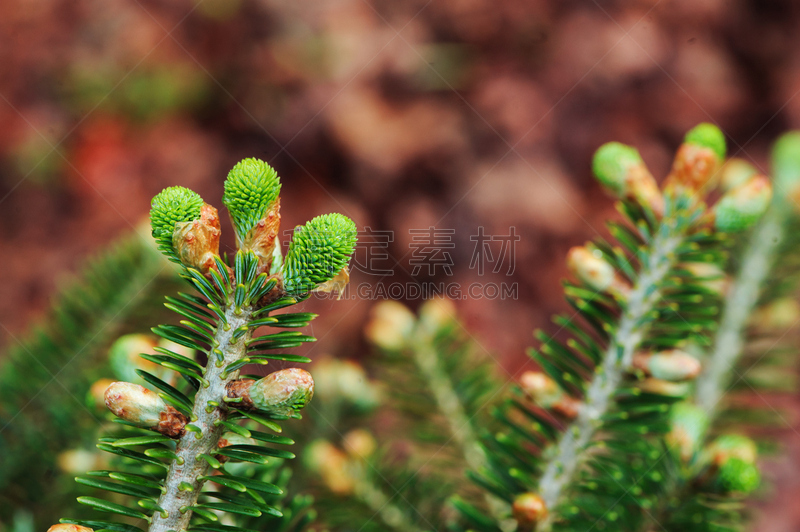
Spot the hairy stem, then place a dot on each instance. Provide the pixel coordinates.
(742, 297)
(182, 484)
(562, 465)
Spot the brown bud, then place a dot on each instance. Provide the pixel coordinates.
(695, 168)
(197, 242)
(662, 387)
(332, 465)
(529, 510)
(63, 527)
(144, 408)
(263, 237)
(546, 393)
(391, 325)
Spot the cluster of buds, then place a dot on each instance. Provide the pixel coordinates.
(672, 365)
(696, 170)
(589, 267)
(529, 510)
(144, 408)
(547, 394)
(187, 230)
(279, 394)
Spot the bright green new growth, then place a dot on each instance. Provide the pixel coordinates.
(172, 205)
(786, 162)
(611, 164)
(707, 136)
(739, 476)
(251, 188)
(318, 251)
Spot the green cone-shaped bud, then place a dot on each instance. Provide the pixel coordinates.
(251, 189)
(318, 252)
(741, 207)
(612, 164)
(709, 136)
(171, 206)
(738, 476)
(786, 164)
(281, 393)
(688, 424)
(529, 510)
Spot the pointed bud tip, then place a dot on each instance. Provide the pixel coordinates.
(611, 165)
(590, 268)
(709, 136)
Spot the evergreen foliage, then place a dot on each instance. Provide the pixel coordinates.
(209, 424)
(44, 377)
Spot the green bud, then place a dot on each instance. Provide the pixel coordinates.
(741, 207)
(591, 270)
(542, 390)
(251, 189)
(135, 403)
(123, 355)
(709, 136)
(281, 393)
(738, 476)
(672, 365)
(611, 165)
(144, 408)
(171, 206)
(786, 163)
(318, 252)
(688, 424)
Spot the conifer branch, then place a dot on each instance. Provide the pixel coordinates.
(183, 483)
(560, 468)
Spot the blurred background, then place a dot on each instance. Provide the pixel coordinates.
(404, 115)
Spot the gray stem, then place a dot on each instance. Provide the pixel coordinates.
(567, 455)
(185, 471)
(739, 304)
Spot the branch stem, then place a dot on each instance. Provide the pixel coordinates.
(561, 467)
(742, 298)
(184, 472)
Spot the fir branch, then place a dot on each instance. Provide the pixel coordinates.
(633, 325)
(184, 479)
(757, 262)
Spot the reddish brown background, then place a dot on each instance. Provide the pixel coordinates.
(402, 115)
